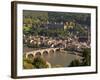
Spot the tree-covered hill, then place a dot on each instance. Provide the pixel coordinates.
(40, 23)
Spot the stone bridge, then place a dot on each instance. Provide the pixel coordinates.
(42, 52)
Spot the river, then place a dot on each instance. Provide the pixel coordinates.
(62, 59)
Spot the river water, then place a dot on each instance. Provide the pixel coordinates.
(61, 59)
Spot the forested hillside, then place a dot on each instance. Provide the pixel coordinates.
(35, 22)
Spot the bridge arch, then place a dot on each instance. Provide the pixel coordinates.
(58, 49)
(51, 51)
(45, 53)
(30, 56)
(38, 54)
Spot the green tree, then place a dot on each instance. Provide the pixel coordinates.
(75, 63)
(87, 57)
(39, 63)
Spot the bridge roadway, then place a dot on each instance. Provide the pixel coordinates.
(42, 51)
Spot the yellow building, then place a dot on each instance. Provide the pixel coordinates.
(68, 25)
